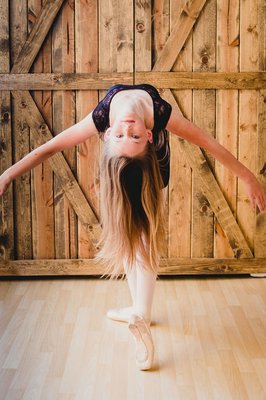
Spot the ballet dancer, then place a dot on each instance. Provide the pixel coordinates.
(132, 121)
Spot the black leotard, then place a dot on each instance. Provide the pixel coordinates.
(162, 111)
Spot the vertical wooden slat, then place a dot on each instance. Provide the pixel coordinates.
(21, 142)
(204, 116)
(161, 30)
(142, 45)
(42, 176)
(6, 202)
(161, 26)
(248, 110)
(125, 35)
(88, 152)
(116, 36)
(227, 109)
(180, 184)
(63, 117)
(260, 230)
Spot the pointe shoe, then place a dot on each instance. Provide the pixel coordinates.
(144, 344)
(120, 314)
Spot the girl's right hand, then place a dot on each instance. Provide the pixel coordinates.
(4, 183)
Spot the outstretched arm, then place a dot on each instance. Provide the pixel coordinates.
(185, 129)
(67, 139)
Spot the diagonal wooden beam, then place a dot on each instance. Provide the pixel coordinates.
(195, 156)
(70, 186)
(35, 120)
(212, 191)
(178, 36)
(36, 37)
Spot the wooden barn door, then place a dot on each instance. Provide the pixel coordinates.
(58, 58)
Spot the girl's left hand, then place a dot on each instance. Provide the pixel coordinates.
(256, 194)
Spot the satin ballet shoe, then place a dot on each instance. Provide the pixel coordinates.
(120, 314)
(144, 344)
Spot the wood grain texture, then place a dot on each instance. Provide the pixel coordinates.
(57, 343)
(143, 36)
(64, 116)
(86, 61)
(6, 203)
(85, 212)
(21, 144)
(227, 111)
(160, 14)
(178, 80)
(168, 266)
(43, 240)
(260, 232)
(127, 38)
(204, 44)
(213, 192)
(248, 115)
(179, 34)
(180, 218)
(32, 44)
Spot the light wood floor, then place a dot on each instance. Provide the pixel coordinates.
(56, 343)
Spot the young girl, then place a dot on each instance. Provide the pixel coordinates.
(132, 120)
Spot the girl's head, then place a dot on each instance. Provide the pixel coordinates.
(131, 201)
(128, 137)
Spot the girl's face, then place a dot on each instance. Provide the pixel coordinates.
(128, 137)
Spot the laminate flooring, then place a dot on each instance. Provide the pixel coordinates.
(56, 343)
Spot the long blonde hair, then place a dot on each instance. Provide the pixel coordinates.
(131, 202)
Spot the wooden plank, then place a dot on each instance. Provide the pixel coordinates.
(203, 80)
(223, 212)
(64, 116)
(21, 144)
(116, 36)
(42, 176)
(125, 33)
(248, 111)
(63, 81)
(181, 174)
(86, 59)
(165, 80)
(159, 14)
(204, 43)
(260, 232)
(143, 46)
(60, 167)
(6, 202)
(161, 27)
(168, 266)
(213, 192)
(179, 35)
(227, 110)
(33, 43)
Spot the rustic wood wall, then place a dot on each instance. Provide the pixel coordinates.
(58, 57)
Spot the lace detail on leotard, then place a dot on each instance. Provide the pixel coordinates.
(162, 109)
